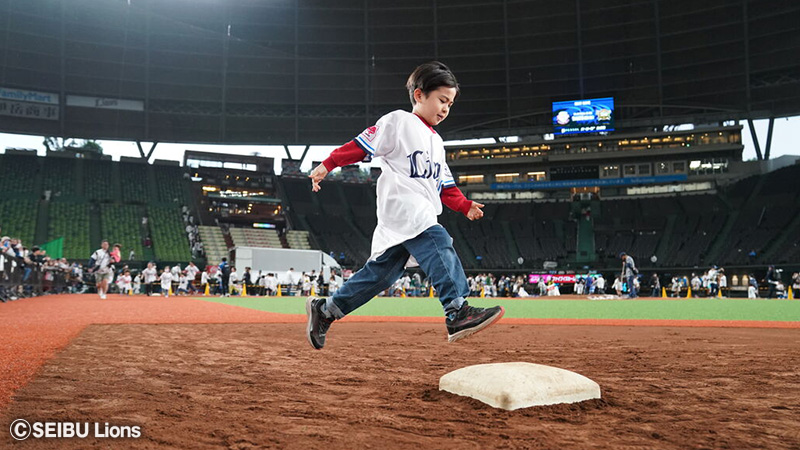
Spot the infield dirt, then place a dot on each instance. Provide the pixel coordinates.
(375, 385)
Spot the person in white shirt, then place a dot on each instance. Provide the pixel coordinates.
(291, 276)
(617, 286)
(233, 282)
(414, 183)
(272, 284)
(600, 284)
(723, 281)
(100, 262)
(204, 281)
(137, 284)
(306, 286)
(332, 285)
(150, 275)
(183, 283)
(176, 272)
(191, 274)
(124, 283)
(166, 281)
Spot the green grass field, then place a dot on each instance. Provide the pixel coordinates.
(694, 309)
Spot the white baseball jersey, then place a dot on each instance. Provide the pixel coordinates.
(150, 275)
(166, 280)
(413, 174)
(102, 261)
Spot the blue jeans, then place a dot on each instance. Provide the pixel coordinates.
(631, 287)
(433, 250)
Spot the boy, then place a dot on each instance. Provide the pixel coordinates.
(150, 275)
(166, 281)
(414, 182)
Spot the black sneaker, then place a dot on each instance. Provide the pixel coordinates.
(318, 324)
(469, 320)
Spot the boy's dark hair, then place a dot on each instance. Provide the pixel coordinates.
(429, 77)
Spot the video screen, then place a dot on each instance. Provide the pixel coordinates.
(583, 116)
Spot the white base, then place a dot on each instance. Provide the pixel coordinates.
(518, 385)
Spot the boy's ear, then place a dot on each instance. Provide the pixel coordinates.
(418, 95)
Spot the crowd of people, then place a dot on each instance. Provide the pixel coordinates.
(192, 233)
(26, 272)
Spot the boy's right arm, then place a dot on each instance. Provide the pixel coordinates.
(347, 154)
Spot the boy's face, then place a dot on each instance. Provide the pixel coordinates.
(435, 106)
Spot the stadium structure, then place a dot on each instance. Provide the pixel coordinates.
(658, 174)
(587, 128)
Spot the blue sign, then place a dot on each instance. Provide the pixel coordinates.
(583, 116)
(538, 185)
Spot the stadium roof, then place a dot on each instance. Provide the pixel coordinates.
(317, 72)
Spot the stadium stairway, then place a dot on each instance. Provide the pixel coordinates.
(116, 186)
(586, 247)
(95, 229)
(459, 242)
(669, 227)
(80, 176)
(778, 245)
(512, 246)
(719, 244)
(42, 223)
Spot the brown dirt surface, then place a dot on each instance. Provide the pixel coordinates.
(34, 329)
(375, 385)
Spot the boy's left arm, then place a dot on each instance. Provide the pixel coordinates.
(454, 199)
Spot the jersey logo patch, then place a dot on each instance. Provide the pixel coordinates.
(370, 133)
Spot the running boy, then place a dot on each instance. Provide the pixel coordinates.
(166, 281)
(414, 182)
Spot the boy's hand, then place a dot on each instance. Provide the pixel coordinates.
(475, 212)
(316, 176)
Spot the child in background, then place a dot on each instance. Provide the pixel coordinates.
(116, 253)
(166, 281)
(414, 183)
(124, 283)
(137, 284)
(183, 284)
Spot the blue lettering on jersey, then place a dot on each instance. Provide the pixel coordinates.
(423, 169)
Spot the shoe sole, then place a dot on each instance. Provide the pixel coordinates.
(470, 331)
(309, 325)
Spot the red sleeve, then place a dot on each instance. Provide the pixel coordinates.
(347, 154)
(454, 199)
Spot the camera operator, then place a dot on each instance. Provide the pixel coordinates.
(773, 278)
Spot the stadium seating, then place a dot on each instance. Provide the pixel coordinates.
(58, 177)
(18, 220)
(121, 224)
(98, 180)
(19, 175)
(70, 220)
(134, 181)
(168, 185)
(251, 237)
(298, 239)
(169, 238)
(213, 243)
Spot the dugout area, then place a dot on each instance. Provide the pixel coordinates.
(201, 374)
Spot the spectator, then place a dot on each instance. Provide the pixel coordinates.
(629, 272)
(655, 284)
(772, 279)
